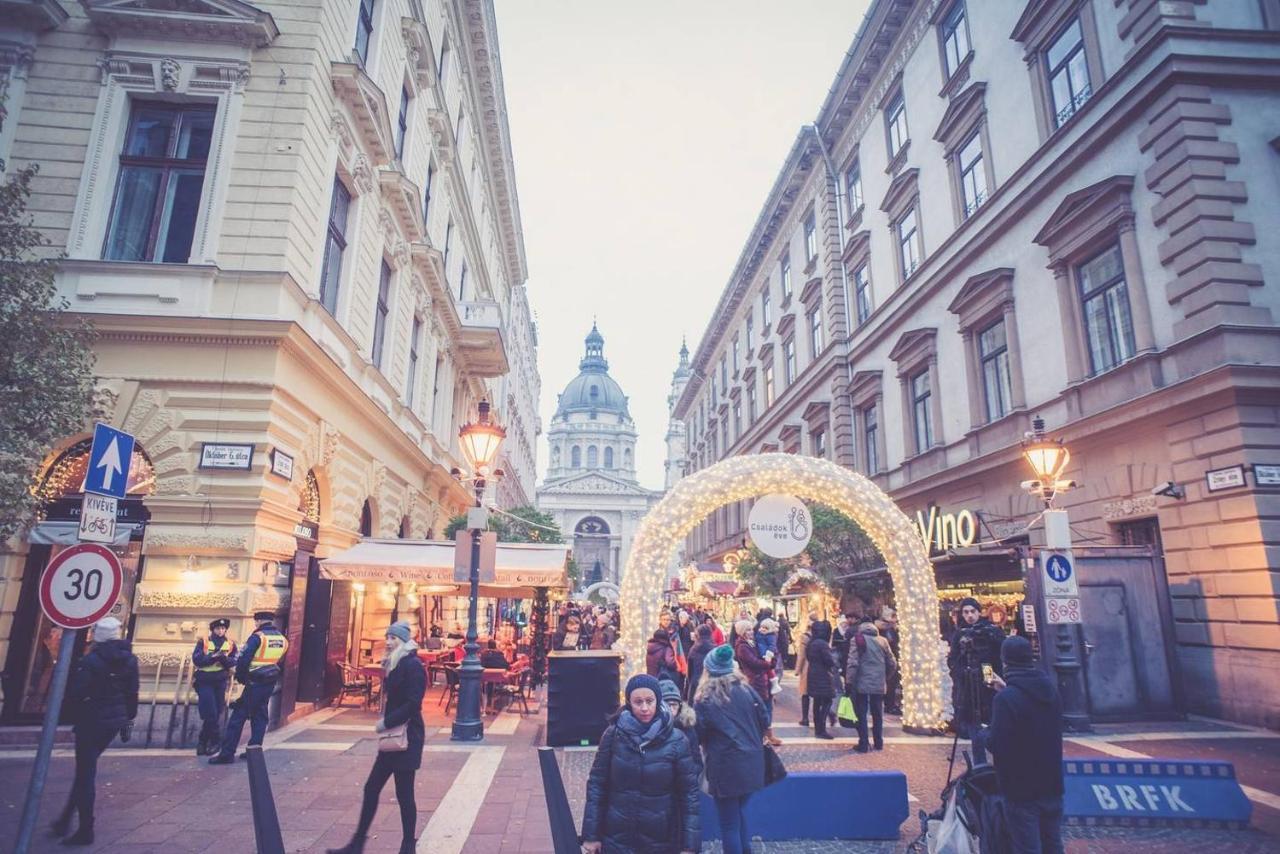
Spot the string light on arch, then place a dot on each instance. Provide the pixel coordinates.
(739, 478)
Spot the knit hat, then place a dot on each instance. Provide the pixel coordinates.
(744, 627)
(642, 680)
(768, 626)
(719, 662)
(669, 690)
(1016, 652)
(970, 602)
(106, 629)
(400, 630)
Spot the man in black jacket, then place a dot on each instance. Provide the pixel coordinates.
(977, 643)
(1025, 739)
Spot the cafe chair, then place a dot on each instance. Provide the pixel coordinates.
(353, 684)
(517, 688)
(452, 681)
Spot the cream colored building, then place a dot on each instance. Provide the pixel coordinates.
(295, 228)
(1043, 207)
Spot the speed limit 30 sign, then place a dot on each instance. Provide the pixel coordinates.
(80, 585)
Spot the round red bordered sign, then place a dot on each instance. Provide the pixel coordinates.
(80, 585)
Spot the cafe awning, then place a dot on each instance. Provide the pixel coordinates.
(520, 569)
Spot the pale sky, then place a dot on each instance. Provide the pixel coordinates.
(647, 134)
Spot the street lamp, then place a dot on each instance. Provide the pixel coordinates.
(1048, 458)
(480, 441)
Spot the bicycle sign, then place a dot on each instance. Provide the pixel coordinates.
(97, 518)
(81, 585)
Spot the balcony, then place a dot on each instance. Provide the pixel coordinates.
(481, 342)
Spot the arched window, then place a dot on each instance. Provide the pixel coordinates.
(592, 525)
(575, 457)
(366, 519)
(626, 458)
(608, 458)
(309, 499)
(66, 476)
(593, 456)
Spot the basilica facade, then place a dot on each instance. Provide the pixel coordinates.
(591, 487)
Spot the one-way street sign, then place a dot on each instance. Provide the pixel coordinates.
(109, 461)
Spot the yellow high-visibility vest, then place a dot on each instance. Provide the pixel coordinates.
(229, 647)
(271, 649)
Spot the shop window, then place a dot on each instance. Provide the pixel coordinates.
(1107, 320)
(364, 30)
(157, 198)
(993, 351)
(335, 245)
(382, 308)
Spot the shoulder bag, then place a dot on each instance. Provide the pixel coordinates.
(774, 770)
(394, 740)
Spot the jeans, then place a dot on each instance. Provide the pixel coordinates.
(211, 700)
(821, 711)
(251, 706)
(734, 836)
(91, 741)
(378, 776)
(1035, 827)
(873, 704)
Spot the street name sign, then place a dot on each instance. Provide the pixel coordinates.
(109, 460)
(226, 455)
(81, 585)
(1059, 575)
(97, 518)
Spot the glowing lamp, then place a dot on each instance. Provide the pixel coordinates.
(1048, 458)
(481, 439)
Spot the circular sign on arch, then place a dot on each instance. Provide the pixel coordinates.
(81, 585)
(780, 526)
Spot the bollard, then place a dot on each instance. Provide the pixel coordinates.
(564, 835)
(266, 824)
(155, 696)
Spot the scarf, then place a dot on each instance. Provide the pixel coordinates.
(643, 734)
(395, 657)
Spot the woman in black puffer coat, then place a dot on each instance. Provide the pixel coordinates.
(404, 686)
(642, 793)
(823, 665)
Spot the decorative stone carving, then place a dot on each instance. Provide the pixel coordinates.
(173, 600)
(275, 543)
(190, 540)
(175, 485)
(15, 61)
(362, 174)
(105, 398)
(160, 657)
(329, 439)
(1144, 505)
(272, 599)
(170, 72)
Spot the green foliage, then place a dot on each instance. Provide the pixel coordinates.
(529, 528)
(837, 548)
(46, 359)
(574, 573)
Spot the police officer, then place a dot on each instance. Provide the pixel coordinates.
(258, 669)
(213, 657)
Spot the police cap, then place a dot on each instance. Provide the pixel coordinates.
(220, 623)
(264, 615)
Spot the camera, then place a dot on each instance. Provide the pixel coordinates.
(1169, 489)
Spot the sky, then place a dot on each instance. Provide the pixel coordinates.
(646, 137)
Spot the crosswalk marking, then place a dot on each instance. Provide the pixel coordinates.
(451, 822)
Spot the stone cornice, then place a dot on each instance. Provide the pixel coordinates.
(963, 113)
(982, 294)
(33, 14)
(368, 107)
(217, 21)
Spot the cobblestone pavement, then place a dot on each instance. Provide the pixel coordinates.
(488, 799)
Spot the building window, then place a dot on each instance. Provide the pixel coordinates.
(593, 457)
(811, 237)
(735, 355)
(766, 309)
(402, 122)
(714, 396)
(411, 382)
(870, 439)
(724, 432)
(426, 190)
(815, 331)
(462, 281)
(608, 458)
(862, 293)
(448, 244)
(768, 386)
(381, 309)
(442, 69)
(784, 276)
(751, 403)
(895, 118)
(993, 353)
(737, 420)
(819, 442)
(789, 361)
(973, 177)
(1068, 72)
(1107, 319)
(724, 371)
(750, 333)
(853, 185)
(334, 246)
(575, 457)
(921, 411)
(908, 242)
(364, 30)
(153, 216)
(955, 37)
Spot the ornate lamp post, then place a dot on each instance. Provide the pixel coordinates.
(1048, 458)
(480, 441)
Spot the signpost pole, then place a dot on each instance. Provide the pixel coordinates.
(1067, 662)
(44, 753)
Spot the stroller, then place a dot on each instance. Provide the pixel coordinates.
(971, 818)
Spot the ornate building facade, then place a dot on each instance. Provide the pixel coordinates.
(295, 228)
(1042, 207)
(591, 487)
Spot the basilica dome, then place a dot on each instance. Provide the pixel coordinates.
(593, 390)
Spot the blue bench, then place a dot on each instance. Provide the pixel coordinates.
(823, 805)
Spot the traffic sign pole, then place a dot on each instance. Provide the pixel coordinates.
(57, 690)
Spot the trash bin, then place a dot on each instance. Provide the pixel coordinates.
(583, 687)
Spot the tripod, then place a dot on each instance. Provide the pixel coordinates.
(971, 691)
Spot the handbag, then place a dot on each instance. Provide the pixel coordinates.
(394, 740)
(845, 712)
(774, 770)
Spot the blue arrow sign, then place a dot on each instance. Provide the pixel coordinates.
(109, 461)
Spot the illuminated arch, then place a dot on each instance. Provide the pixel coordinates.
(607, 590)
(740, 478)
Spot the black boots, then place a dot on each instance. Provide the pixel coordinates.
(83, 834)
